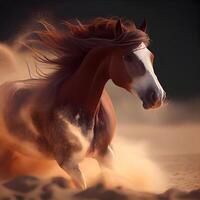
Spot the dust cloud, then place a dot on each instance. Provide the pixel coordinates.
(134, 169)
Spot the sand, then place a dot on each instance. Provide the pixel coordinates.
(182, 170)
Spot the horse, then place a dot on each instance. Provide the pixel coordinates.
(68, 115)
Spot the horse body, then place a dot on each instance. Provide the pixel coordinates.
(42, 134)
(69, 115)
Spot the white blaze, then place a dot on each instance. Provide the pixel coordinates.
(149, 79)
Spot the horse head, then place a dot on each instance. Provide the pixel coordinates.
(132, 69)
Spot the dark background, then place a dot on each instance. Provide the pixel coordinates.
(173, 26)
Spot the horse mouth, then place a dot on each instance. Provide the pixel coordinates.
(155, 105)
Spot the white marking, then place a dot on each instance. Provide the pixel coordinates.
(78, 156)
(149, 79)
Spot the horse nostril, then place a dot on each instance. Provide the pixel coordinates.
(153, 96)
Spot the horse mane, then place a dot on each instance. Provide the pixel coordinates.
(71, 44)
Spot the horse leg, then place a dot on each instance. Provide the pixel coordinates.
(75, 173)
(106, 159)
(69, 162)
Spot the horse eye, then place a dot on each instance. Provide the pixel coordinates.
(128, 58)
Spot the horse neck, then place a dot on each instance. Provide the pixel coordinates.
(82, 92)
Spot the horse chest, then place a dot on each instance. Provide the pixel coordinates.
(75, 139)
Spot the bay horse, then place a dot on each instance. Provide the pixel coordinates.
(68, 115)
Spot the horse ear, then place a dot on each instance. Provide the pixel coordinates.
(143, 26)
(118, 28)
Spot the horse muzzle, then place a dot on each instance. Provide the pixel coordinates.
(153, 99)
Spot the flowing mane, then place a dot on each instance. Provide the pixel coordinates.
(70, 45)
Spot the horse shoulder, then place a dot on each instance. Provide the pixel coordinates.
(66, 139)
